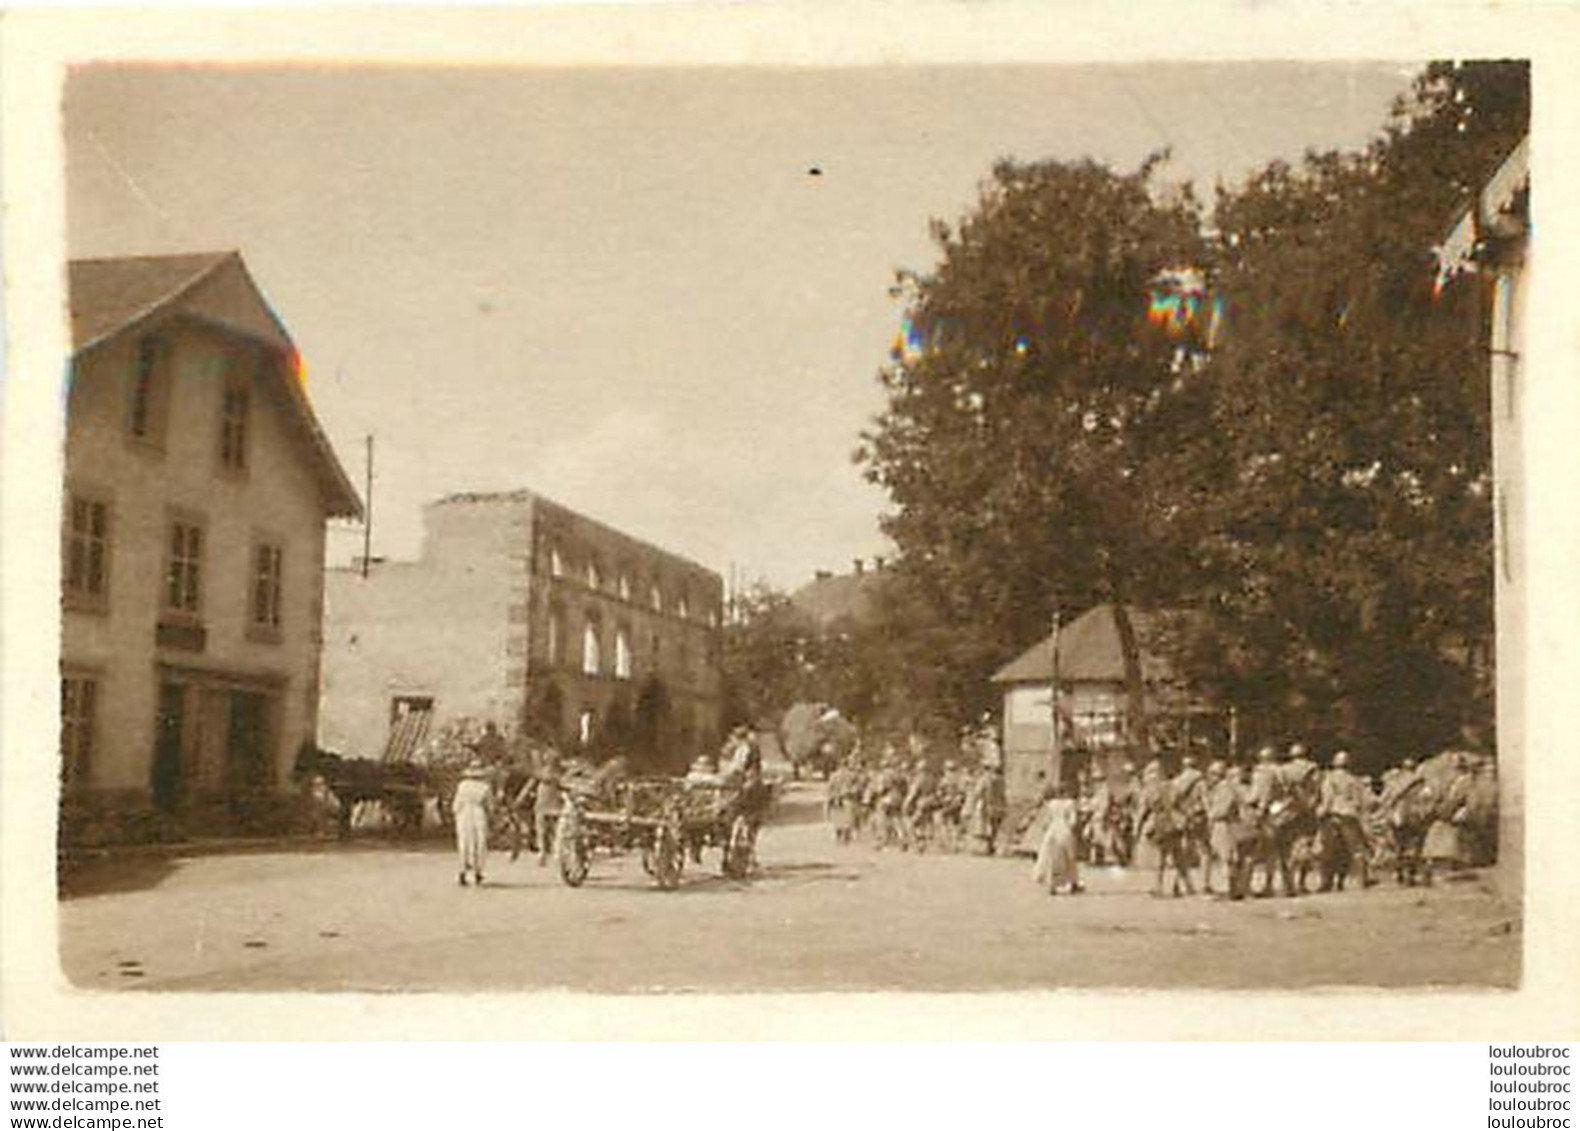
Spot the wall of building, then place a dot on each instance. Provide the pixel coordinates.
(1508, 461)
(442, 627)
(1029, 762)
(276, 497)
(673, 633)
(469, 625)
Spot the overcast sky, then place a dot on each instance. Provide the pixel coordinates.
(623, 287)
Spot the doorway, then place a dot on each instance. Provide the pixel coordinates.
(248, 765)
(168, 772)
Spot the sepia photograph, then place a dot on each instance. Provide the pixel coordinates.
(753, 529)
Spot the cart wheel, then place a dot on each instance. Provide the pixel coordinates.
(667, 858)
(738, 850)
(571, 850)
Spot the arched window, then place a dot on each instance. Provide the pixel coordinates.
(656, 597)
(622, 653)
(555, 643)
(625, 586)
(556, 562)
(682, 607)
(594, 579)
(592, 650)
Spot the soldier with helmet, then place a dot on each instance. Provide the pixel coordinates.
(1342, 807)
(1188, 795)
(1226, 819)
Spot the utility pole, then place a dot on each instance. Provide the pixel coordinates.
(367, 512)
(1053, 706)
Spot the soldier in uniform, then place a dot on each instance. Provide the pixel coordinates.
(840, 803)
(1298, 769)
(1188, 794)
(1158, 824)
(1342, 806)
(891, 804)
(1445, 838)
(1267, 784)
(1482, 826)
(1267, 789)
(920, 802)
(952, 790)
(1226, 804)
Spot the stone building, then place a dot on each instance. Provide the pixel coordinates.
(527, 614)
(197, 485)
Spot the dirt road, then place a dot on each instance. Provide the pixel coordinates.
(816, 917)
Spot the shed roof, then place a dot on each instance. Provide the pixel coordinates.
(1089, 651)
(111, 296)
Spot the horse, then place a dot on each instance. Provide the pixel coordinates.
(1409, 814)
(1332, 854)
(1282, 843)
(397, 786)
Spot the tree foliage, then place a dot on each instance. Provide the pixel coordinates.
(1345, 510)
(1026, 415)
(1317, 482)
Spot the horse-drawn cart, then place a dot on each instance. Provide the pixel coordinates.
(665, 819)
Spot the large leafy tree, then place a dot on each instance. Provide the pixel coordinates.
(765, 658)
(1344, 480)
(1026, 408)
(1318, 487)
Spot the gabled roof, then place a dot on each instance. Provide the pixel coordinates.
(1089, 651)
(109, 297)
(1490, 211)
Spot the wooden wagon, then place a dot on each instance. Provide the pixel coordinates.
(664, 819)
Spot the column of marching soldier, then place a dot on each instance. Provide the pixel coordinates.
(1226, 830)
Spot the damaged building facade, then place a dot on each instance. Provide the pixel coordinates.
(524, 613)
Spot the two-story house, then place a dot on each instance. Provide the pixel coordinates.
(197, 486)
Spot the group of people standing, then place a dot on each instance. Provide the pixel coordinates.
(1217, 829)
(1251, 828)
(490, 794)
(914, 806)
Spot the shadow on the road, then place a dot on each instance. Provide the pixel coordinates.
(797, 807)
(112, 875)
(118, 872)
(808, 868)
